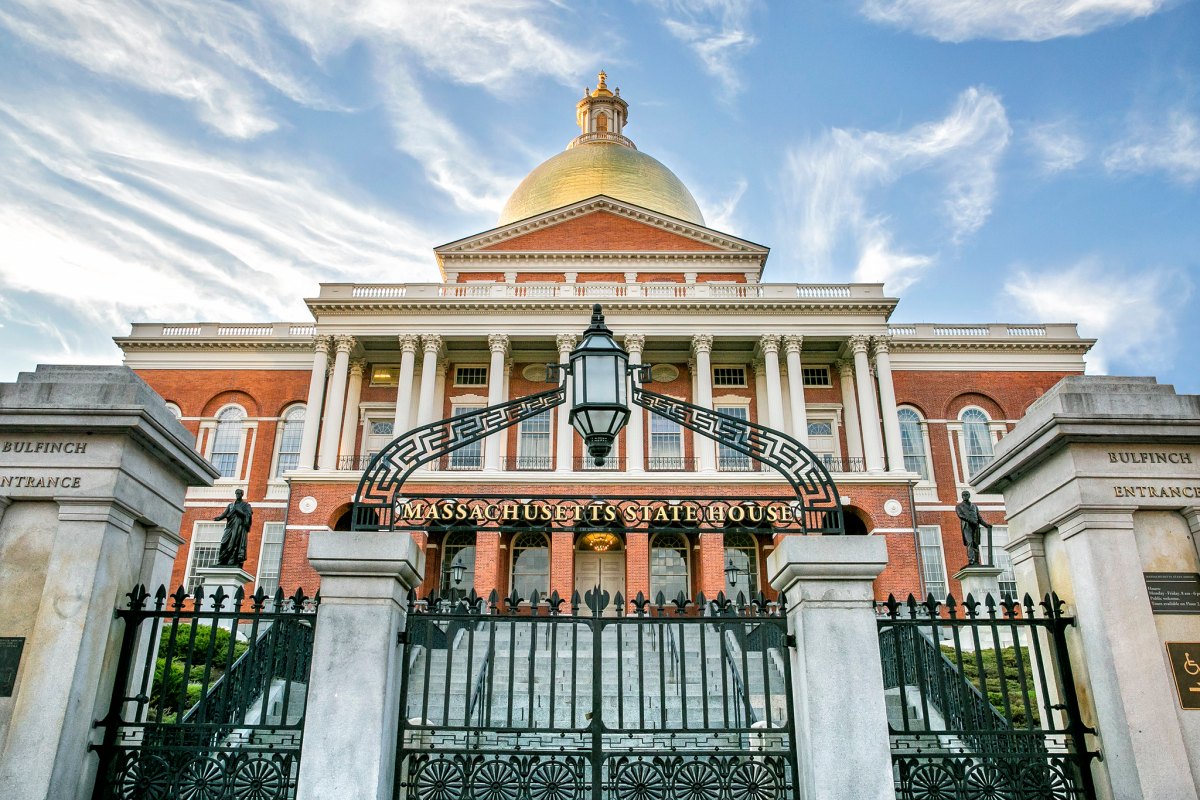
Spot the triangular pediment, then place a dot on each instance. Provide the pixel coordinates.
(602, 225)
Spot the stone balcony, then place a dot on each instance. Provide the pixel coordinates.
(614, 290)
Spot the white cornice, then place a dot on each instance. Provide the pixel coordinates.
(673, 307)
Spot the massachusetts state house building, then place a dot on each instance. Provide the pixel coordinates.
(902, 414)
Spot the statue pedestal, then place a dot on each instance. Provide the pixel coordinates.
(979, 581)
(228, 578)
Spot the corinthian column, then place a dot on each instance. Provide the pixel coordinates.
(635, 448)
(563, 461)
(792, 345)
(331, 424)
(350, 418)
(887, 400)
(706, 454)
(868, 404)
(769, 344)
(854, 448)
(312, 406)
(494, 444)
(404, 385)
(432, 344)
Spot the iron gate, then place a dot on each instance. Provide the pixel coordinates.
(209, 697)
(549, 700)
(983, 704)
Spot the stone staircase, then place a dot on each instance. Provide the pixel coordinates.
(535, 675)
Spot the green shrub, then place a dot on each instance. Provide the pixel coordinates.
(991, 684)
(197, 649)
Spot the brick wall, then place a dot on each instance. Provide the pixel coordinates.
(601, 231)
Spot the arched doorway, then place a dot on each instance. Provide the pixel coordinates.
(600, 561)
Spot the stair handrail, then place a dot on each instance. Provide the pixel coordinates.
(480, 682)
(738, 686)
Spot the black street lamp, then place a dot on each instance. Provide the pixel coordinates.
(599, 369)
(457, 570)
(732, 573)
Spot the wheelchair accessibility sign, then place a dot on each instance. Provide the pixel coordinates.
(1185, 664)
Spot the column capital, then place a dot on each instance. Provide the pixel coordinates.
(769, 343)
(759, 365)
(702, 343)
(792, 343)
(431, 342)
(408, 342)
(880, 344)
(566, 342)
(344, 342)
(635, 342)
(358, 366)
(859, 343)
(321, 344)
(498, 342)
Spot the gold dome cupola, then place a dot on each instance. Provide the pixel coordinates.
(601, 116)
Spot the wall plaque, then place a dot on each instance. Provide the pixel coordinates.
(10, 659)
(1173, 592)
(1185, 664)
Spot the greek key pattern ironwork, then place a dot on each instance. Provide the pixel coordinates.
(208, 702)
(383, 478)
(986, 700)
(800, 466)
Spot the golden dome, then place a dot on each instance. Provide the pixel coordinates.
(601, 167)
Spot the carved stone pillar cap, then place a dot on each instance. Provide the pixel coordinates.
(702, 343)
(634, 342)
(409, 342)
(431, 342)
(859, 343)
(344, 342)
(498, 342)
(769, 342)
(880, 344)
(793, 342)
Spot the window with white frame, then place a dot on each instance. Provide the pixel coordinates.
(458, 549)
(471, 456)
(1002, 559)
(227, 441)
(290, 435)
(270, 558)
(666, 444)
(203, 551)
(533, 443)
(669, 565)
(815, 376)
(470, 376)
(729, 376)
(914, 443)
(729, 459)
(976, 439)
(174, 409)
(741, 553)
(531, 564)
(933, 561)
(821, 441)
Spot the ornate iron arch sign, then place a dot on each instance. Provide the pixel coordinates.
(380, 503)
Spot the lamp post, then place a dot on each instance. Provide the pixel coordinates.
(599, 369)
(732, 573)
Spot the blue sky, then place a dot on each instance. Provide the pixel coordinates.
(989, 161)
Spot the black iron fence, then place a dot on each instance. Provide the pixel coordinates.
(982, 703)
(209, 697)
(596, 698)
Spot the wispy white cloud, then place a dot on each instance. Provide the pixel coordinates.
(829, 185)
(106, 219)
(1011, 20)
(215, 56)
(1057, 146)
(717, 31)
(1172, 148)
(720, 209)
(1134, 313)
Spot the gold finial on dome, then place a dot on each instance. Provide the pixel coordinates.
(602, 90)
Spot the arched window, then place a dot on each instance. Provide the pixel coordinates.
(291, 432)
(976, 439)
(531, 564)
(669, 566)
(458, 547)
(912, 442)
(602, 123)
(227, 441)
(174, 409)
(741, 551)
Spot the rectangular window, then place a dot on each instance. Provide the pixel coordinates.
(1002, 559)
(227, 446)
(729, 376)
(206, 545)
(933, 561)
(385, 375)
(820, 441)
(533, 443)
(729, 459)
(815, 376)
(666, 444)
(470, 376)
(471, 456)
(270, 557)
